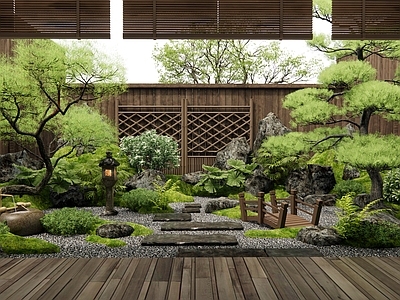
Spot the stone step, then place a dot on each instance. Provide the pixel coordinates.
(194, 226)
(190, 210)
(189, 239)
(218, 252)
(172, 217)
(192, 205)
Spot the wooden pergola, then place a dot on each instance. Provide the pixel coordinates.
(191, 19)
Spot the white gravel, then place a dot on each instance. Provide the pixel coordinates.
(76, 246)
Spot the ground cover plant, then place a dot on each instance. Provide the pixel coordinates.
(289, 233)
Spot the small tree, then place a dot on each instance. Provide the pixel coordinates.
(39, 84)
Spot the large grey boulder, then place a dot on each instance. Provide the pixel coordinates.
(269, 126)
(8, 171)
(350, 173)
(148, 179)
(23, 223)
(363, 200)
(313, 179)
(113, 231)
(192, 178)
(319, 236)
(238, 149)
(218, 204)
(258, 182)
(327, 199)
(73, 197)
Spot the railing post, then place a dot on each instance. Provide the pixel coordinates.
(260, 208)
(293, 203)
(242, 204)
(282, 215)
(317, 212)
(274, 203)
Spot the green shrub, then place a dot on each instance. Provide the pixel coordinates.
(144, 201)
(391, 186)
(13, 244)
(360, 233)
(4, 228)
(345, 187)
(69, 221)
(150, 151)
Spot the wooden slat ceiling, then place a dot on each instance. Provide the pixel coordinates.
(55, 19)
(222, 19)
(365, 19)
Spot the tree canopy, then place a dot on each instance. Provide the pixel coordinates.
(40, 83)
(231, 61)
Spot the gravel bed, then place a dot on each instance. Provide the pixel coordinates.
(76, 246)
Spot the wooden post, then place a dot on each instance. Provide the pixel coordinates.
(282, 215)
(184, 142)
(242, 203)
(260, 208)
(317, 212)
(274, 203)
(293, 203)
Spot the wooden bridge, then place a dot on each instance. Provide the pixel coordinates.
(201, 278)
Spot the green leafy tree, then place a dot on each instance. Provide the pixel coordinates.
(39, 85)
(231, 61)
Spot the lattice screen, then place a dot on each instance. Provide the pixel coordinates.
(210, 132)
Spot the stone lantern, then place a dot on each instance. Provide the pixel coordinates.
(109, 176)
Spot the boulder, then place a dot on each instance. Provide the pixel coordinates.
(319, 236)
(380, 217)
(192, 178)
(258, 182)
(269, 126)
(363, 200)
(238, 149)
(350, 173)
(218, 204)
(148, 179)
(327, 199)
(113, 231)
(73, 197)
(313, 179)
(24, 222)
(8, 171)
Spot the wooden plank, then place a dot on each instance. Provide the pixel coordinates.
(90, 290)
(223, 279)
(187, 279)
(338, 278)
(323, 280)
(350, 261)
(125, 272)
(237, 288)
(136, 281)
(245, 279)
(357, 279)
(147, 281)
(278, 279)
(106, 270)
(385, 267)
(108, 289)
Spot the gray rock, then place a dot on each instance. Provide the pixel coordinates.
(24, 223)
(319, 236)
(328, 199)
(363, 200)
(350, 173)
(382, 217)
(218, 204)
(192, 178)
(73, 197)
(8, 171)
(258, 182)
(269, 126)
(238, 149)
(313, 179)
(148, 179)
(113, 231)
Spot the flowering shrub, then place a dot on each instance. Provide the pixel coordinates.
(391, 186)
(150, 151)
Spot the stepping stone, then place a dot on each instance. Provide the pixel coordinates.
(301, 252)
(201, 226)
(168, 217)
(188, 239)
(226, 252)
(190, 210)
(191, 205)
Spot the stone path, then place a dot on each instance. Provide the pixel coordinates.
(189, 239)
(195, 226)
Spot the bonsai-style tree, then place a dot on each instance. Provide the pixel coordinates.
(39, 84)
(347, 99)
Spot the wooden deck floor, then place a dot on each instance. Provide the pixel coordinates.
(201, 278)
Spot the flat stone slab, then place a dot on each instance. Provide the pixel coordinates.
(190, 210)
(226, 252)
(172, 217)
(192, 205)
(188, 239)
(194, 226)
(295, 252)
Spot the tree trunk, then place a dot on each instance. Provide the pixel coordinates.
(376, 183)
